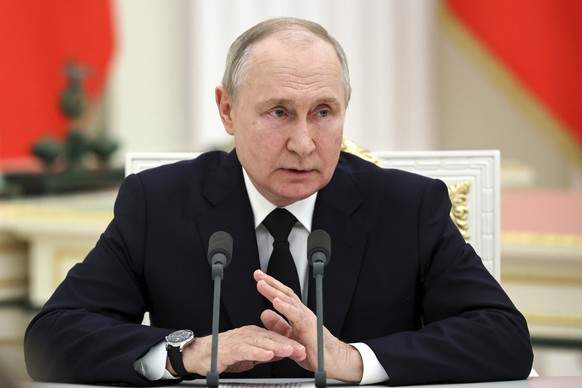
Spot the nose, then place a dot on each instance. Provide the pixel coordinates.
(301, 139)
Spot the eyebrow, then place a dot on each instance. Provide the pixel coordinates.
(286, 101)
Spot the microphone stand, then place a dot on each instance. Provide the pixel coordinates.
(219, 256)
(320, 374)
(217, 276)
(319, 255)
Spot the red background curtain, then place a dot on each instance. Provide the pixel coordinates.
(540, 43)
(37, 38)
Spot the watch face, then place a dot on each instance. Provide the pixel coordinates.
(180, 336)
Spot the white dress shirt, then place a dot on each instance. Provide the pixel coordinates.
(153, 364)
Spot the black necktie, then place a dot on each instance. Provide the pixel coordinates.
(281, 265)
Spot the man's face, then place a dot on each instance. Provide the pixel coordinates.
(288, 118)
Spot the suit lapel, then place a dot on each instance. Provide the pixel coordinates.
(334, 212)
(233, 214)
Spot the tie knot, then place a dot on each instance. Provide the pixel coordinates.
(279, 223)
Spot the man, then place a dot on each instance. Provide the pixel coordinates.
(406, 300)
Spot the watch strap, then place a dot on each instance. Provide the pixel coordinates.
(175, 356)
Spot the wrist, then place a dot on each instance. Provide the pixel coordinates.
(347, 364)
(196, 356)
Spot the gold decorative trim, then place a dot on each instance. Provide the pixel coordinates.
(553, 240)
(352, 148)
(42, 213)
(539, 279)
(538, 318)
(533, 108)
(12, 283)
(13, 245)
(458, 193)
(12, 342)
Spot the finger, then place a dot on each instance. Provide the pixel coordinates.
(282, 330)
(275, 322)
(279, 290)
(276, 348)
(257, 344)
(274, 283)
(289, 306)
(294, 311)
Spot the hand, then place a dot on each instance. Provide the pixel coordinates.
(239, 350)
(342, 361)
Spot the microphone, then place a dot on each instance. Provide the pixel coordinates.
(319, 255)
(219, 256)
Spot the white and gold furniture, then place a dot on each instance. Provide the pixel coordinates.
(472, 178)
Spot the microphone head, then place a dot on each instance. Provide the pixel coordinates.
(319, 247)
(220, 248)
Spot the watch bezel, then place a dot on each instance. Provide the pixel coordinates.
(180, 338)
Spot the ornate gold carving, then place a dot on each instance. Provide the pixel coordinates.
(352, 148)
(458, 193)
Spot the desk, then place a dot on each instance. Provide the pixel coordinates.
(532, 382)
(41, 238)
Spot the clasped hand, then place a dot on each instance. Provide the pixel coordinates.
(294, 337)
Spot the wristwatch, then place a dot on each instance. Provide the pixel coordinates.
(175, 343)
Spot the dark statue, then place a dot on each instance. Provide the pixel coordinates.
(79, 162)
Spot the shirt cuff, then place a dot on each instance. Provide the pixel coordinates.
(153, 364)
(373, 372)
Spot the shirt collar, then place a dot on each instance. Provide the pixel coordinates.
(302, 210)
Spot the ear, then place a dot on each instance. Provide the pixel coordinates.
(224, 103)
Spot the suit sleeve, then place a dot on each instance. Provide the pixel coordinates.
(90, 330)
(471, 331)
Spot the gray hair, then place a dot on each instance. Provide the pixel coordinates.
(238, 58)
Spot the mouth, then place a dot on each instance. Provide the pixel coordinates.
(297, 171)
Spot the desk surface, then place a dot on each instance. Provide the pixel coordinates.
(532, 382)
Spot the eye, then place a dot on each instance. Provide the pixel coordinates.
(277, 113)
(323, 113)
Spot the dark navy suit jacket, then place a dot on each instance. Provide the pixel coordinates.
(401, 278)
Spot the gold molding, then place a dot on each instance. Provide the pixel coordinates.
(15, 282)
(558, 319)
(458, 193)
(541, 279)
(553, 240)
(12, 245)
(53, 213)
(12, 342)
(352, 148)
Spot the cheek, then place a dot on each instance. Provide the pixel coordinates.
(331, 138)
(260, 148)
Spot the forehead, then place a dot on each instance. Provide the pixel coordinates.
(295, 61)
(293, 48)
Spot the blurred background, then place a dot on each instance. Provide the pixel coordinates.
(82, 83)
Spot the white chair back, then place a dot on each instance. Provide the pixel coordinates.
(472, 177)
